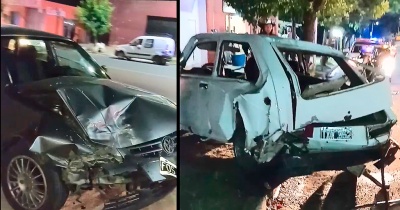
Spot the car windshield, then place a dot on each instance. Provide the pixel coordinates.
(32, 60)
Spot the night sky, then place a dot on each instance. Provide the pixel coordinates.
(67, 2)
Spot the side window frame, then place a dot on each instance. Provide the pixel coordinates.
(145, 44)
(216, 58)
(221, 53)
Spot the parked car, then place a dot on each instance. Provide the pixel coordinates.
(277, 114)
(156, 48)
(67, 127)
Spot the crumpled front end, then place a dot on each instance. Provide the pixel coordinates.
(128, 136)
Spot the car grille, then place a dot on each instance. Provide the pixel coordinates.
(151, 149)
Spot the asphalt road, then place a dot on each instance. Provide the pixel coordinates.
(154, 78)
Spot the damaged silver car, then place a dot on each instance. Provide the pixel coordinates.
(256, 92)
(67, 127)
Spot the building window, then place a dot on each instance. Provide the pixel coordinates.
(15, 18)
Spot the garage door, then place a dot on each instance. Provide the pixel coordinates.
(162, 25)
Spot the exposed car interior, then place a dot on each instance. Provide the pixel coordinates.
(236, 61)
(313, 73)
(34, 60)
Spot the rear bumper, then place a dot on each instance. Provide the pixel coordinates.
(287, 166)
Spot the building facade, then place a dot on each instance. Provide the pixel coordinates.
(206, 16)
(43, 15)
(133, 18)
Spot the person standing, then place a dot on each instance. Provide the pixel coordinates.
(268, 26)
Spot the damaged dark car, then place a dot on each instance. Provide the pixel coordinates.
(66, 127)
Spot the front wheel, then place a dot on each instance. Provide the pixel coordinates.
(121, 55)
(29, 184)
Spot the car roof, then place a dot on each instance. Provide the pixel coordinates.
(155, 37)
(290, 44)
(10, 30)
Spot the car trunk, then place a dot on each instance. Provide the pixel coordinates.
(345, 105)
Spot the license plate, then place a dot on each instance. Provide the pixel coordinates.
(336, 133)
(167, 168)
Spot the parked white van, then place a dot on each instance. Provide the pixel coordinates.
(156, 48)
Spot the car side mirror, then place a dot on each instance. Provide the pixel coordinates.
(139, 46)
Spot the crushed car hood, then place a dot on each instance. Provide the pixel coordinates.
(112, 113)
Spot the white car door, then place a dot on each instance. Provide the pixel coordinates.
(134, 48)
(219, 93)
(193, 91)
(148, 49)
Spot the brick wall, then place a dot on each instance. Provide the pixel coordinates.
(129, 18)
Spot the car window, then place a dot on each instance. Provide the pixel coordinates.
(201, 60)
(137, 42)
(75, 61)
(33, 60)
(318, 73)
(149, 43)
(237, 62)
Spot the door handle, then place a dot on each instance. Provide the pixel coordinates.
(203, 85)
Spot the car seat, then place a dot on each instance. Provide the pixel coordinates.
(251, 70)
(27, 69)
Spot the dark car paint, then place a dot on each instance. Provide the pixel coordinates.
(55, 115)
(90, 101)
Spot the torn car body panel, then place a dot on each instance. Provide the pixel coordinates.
(211, 112)
(343, 106)
(78, 129)
(93, 122)
(274, 107)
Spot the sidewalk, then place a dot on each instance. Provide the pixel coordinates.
(108, 51)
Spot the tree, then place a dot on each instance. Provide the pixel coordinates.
(95, 15)
(329, 12)
(394, 6)
(364, 11)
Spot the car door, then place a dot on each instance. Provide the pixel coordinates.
(194, 78)
(16, 115)
(134, 48)
(148, 49)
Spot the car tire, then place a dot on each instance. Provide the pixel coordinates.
(120, 55)
(251, 173)
(159, 60)
(251, 180)
(54, 190)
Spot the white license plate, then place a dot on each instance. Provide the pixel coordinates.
(167, 168)
(336, 133)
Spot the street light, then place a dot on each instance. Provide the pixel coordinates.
(372, 27)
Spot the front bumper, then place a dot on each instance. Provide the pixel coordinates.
(161, 169)
(156, 159)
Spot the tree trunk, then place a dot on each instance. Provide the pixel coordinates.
(95, 39)
(324, 37)
(294, 34)
(309, 26)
